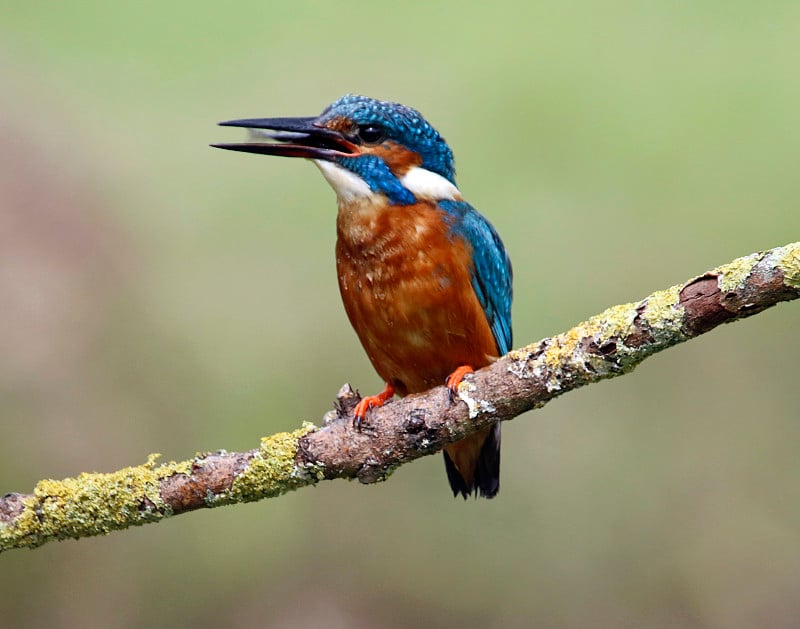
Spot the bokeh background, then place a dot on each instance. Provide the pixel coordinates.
(160, 296)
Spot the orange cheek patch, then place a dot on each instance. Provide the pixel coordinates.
(399, 159)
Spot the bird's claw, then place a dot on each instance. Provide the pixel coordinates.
(360, 413)
(371, 401)
(455, 378)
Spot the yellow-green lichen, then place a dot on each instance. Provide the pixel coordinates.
(95, 504)
(788, 261)
(562, 348)
(24, 531)
(663, 315)
(570, 351)
(166, 470)
(732, 276)
(613, 323)
(91, 504)
(597, 348)
(272, 471)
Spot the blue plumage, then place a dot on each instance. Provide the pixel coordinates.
(425, 279)
(492, 274)
(402, 124)
(379, 177)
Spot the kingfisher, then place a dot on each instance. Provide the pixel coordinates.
(425, 279)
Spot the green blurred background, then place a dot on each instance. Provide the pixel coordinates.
(160, 296)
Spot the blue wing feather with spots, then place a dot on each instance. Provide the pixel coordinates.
(491, 274)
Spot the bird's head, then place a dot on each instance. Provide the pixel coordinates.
(364, 147)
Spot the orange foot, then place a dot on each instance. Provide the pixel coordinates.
(371, 401)
(455, 378)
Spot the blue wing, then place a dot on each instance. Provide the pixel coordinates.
(491, 273)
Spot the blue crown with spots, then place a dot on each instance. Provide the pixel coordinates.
(402, 124)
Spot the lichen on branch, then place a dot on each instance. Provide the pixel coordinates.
(607, 345)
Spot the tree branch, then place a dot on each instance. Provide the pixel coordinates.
(607, 345)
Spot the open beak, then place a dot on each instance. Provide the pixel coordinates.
(291, 137)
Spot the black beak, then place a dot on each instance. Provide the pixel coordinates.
(292, 137)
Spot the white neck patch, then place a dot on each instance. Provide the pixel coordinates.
(422, 183)
(426, 184)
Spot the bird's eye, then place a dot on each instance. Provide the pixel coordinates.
(371, 134)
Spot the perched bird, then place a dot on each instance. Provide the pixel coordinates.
(425, 279)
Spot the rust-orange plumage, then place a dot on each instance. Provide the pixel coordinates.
(425, 279)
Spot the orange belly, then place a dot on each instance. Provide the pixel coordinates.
(406, 285)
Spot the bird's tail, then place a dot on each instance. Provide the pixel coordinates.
(473, 464)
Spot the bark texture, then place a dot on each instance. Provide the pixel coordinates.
(607, 345)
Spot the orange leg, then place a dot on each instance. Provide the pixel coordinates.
(371, 401)
(455, 378)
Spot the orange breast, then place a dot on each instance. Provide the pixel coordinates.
(406, 286)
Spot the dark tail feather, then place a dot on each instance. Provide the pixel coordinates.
(487, 473)
(478, 458)
(457, 483)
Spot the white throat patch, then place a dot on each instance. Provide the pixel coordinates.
(347, 185)
(422, 183)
